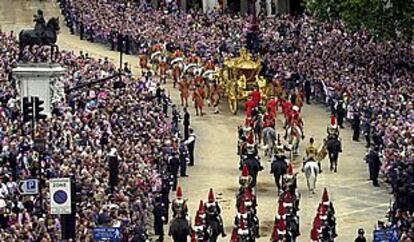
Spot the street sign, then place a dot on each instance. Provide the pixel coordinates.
(385, 235)
(60, 196)
(29, 187)
(106, 234)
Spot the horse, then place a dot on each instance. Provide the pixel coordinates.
(311, 170)
(179, 229)
(258, 126)
(294, 135)
(213, 226)
(269, 139)
(30, 37)
(333, 145)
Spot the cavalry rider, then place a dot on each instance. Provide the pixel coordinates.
(249, 105)
(183, 87)
(256, 97)
(241, 228)
(272, 106)
(333, 129)
(200, 231)
(295, 119)
(269, 119)
(286, 108)
(279, 165)
(143, 57)
(213, 210)
(312, 153)
(179, 204)
(324, 224)
(253, 164)
(279, 231)
(330, 211)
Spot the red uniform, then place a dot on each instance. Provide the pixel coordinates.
(183, 87)
(271, 106)
(176, 74)
(248, 107)
(286, 107)
(198, 98)
(268, 120)
(256, 97)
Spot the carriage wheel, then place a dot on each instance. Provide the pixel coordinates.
(233, 105)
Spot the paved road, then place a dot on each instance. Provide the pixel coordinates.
(357, 203)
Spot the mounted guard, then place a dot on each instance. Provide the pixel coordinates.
(213, 217)
(333, 129)
(179, 204)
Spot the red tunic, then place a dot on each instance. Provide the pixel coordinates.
(271, 106)
(256, 97)
(248, 107)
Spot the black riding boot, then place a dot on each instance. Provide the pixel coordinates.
(320, 167)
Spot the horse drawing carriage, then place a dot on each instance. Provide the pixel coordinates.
(240, 76)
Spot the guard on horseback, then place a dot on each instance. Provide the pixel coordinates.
(279, 166)
(286, 227)
(294, 119)
(251, 161)
(333, 129)
(312, 153)
(179, 204)
(213, 213)
(200, 232)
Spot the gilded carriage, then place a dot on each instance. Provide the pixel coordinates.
(240, 76)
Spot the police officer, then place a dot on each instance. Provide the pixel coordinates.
(190, 142)
(173, 166)
(356, 126)
(183, 159)
(159, 217)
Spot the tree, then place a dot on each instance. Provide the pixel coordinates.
(385, 19)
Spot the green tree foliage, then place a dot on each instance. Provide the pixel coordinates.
(386, 19)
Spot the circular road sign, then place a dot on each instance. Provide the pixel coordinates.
(60, 197)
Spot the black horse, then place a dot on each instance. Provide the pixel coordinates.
(179, 229)
(213, 225)
(334, 147)
(46, 36)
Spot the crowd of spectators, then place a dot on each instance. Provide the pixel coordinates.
(374, 78)
(87, 129)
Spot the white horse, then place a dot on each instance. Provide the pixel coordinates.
(269, 140)
(294, 135)
(311, 170)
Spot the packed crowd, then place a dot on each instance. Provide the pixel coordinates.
(371, 77)
(90, 129)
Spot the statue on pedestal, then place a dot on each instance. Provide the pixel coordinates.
(42, 34)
